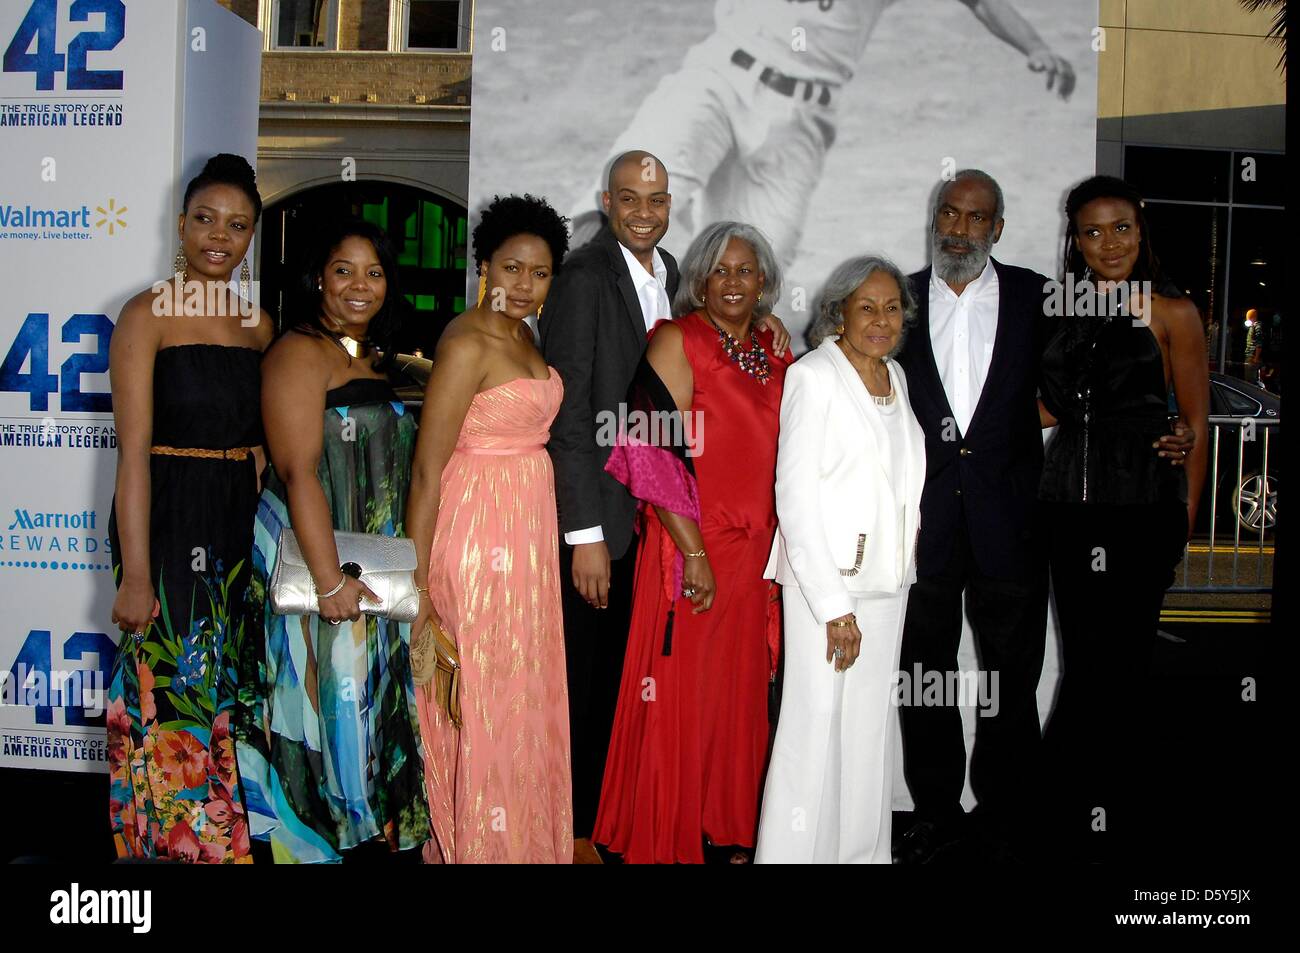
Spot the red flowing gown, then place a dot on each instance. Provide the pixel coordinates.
(690, 736)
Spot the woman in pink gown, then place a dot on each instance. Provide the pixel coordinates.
(482, 514)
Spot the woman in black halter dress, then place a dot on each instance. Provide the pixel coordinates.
(185, 364)
(1117, 514)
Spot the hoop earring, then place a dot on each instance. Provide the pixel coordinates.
(181, 263)
(482, 286)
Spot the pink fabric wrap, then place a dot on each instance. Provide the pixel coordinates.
(655, 476)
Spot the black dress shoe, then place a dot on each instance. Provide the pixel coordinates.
(925, 841)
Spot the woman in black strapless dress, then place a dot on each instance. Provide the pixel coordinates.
(1117, 514)
(185, 373)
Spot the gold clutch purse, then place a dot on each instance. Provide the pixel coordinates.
(435, 658)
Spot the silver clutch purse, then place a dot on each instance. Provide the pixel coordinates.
(384, 563)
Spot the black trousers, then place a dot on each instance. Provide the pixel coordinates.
(1110, 567)
(595, 641)
(1009, 619)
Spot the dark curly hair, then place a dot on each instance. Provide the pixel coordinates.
(514, 215)
(226, 169)
(307, 298)
(1147, 267)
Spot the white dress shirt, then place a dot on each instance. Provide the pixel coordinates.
(651, 290)
(652, 293)
(962, 330)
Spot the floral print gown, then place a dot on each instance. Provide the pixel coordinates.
(174, 786)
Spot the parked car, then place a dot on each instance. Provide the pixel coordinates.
(1252, 500)
(409, 377)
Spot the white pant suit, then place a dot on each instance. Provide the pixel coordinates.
(848, 492)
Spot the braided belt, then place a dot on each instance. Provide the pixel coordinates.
(231, 453)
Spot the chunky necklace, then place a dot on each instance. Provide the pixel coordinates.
(752, 361)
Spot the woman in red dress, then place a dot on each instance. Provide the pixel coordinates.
(690, 736)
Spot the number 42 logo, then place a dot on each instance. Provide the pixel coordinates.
(40, 26)
(31, 349)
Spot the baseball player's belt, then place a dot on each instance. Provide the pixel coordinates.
(779, 82)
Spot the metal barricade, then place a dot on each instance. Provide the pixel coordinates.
(1240, 448)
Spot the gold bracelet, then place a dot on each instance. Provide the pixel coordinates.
(694, 555)
(842, 625)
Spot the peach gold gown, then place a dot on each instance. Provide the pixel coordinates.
(499, 788)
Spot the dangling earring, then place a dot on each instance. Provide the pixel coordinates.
(245, 279)
(482, 286)
(182, 264)
(760, 296)
(539, 313)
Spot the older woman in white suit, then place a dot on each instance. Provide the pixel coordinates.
(850, 466)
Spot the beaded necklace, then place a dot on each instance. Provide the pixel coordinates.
(753, 361)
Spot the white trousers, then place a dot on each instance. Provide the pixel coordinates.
(829, 788)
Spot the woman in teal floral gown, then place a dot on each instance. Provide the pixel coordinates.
(328, 736)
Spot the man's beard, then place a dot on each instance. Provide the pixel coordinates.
(959, 267)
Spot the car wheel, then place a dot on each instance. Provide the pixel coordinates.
(1255, 502)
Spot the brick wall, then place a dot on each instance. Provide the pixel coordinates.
(245, 9)
(393, 78)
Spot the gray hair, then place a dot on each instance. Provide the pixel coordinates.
(845, 280)
(707, 250)
(978, 175)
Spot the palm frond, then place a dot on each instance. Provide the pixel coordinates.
(1276, 32)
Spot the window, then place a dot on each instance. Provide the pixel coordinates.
(1218, 222)
(1232, 402)
(435, 24)
(429, 235)
(1188, 175)
(301, 24)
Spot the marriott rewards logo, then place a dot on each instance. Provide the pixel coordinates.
(54, 541)
(72, 223)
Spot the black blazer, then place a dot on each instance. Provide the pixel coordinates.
(593, 333)
(987, 477)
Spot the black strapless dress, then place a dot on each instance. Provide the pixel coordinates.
(174, 783)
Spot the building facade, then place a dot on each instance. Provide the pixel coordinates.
(365, 111)
(1191, 109)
